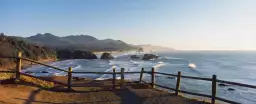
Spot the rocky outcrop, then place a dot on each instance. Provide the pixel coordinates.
(134, 57)
(84, 55)
(77, 54)
(64, 54)
(149, 57)
(10, 46)
(231, 89)
(106, 56)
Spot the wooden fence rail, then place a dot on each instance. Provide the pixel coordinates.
(69, 72)
(26, 59)
(95, 72)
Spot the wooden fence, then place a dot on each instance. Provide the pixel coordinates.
(178, 76)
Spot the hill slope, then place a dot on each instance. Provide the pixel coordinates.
(80, 42)
(10, 46)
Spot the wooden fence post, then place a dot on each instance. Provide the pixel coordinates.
(69, 78)
(18, 66)
(114, 78)
(153, 78)
(178, 84)
(214, 78)
(122, 78)
(141, 74)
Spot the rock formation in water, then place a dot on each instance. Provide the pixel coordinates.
(77, 54)
(84, 55)
(135, 57)
(106, 56)
(149, 57)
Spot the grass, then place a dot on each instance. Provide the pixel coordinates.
(9, 78)
(36, 81)
(4, 76)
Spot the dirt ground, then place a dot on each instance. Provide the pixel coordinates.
(23, 94)
(29, 90)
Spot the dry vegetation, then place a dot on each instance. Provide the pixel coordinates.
(8, 78)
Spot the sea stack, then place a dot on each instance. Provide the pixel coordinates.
(106, 56)
(77, 54)
(83, 55)
(149, 57)
(134, 57)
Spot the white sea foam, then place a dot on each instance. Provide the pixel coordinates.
(106, 76)
(192, 65)
(77, 67)
(172, 58)
(134, 62)
(160, 64)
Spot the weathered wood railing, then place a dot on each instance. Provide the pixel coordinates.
(69, 72)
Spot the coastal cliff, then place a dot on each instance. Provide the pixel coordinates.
(10, 46)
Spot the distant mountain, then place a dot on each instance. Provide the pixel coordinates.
(49, 39)
(79, 42)
(152, 48)
(80, 39)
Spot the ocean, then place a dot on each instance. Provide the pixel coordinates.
(237, 66)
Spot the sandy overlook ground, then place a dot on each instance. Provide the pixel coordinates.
(33, 91)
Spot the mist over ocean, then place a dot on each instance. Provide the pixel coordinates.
(238, 66)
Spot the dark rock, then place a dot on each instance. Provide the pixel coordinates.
(134, 57)
(106, 56)
(231, 89)
(84, 55)
(77, 54)
(44, 72)
(222, 85)
(149, 57)
(64, 54)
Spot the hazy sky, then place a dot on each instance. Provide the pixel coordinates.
(181, 24)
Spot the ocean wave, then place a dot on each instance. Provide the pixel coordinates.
(106, 76)
(110, 63)
(134, 62)
(77, 67)
(110, 69)
(171, 58)
(177, 64)
(101, 78)
(160, 64)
